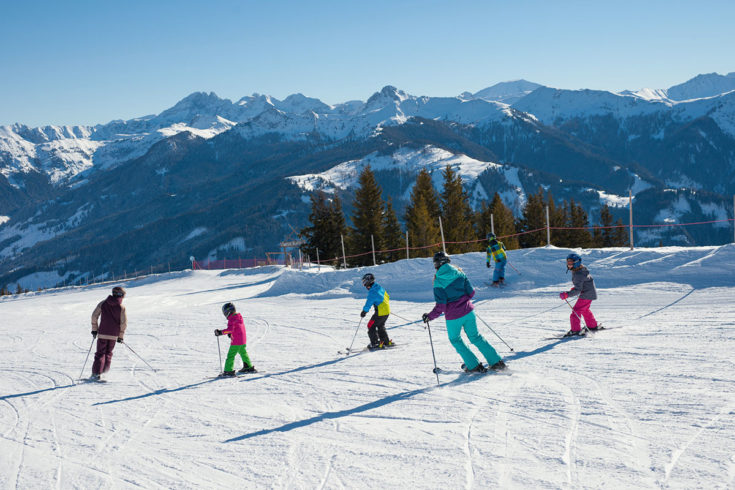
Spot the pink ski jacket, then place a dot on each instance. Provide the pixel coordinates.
(236, 327)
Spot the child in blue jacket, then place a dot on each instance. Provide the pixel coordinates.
(377, 297)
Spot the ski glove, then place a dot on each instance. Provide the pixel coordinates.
(94, 334)
(119, 340)
(425, 317)
(217, 332)
(363, 313)
(564, 295)
(487, 264)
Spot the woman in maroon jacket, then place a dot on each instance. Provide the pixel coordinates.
(109, 330)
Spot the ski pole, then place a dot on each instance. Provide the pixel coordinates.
(493, 331)
(511, 266)
(436, 369)
(146, 362)
(219, 351)
(349, 349)
(87, 358)
(408, 322)
(575, 313)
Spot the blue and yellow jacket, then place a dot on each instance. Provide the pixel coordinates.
(378, 297)
(496, 250)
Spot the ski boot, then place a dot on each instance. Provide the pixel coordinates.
(228, 374)
(477, 369)
(372, 347)
(246, 369)
(498, 366)
(574, 333)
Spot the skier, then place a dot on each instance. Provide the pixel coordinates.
(377, 297)
(107, 330)
(584, 287)
(496, 252)
(453, 293)
(236, 331)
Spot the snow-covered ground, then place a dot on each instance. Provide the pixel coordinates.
(646, 404)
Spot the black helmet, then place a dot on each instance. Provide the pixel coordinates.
(118, 292)
(440, 258)
(491, 236)
(368, 280)
(228, 309)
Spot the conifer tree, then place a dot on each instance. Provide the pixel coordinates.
(327, 223)
(393, 235)
(367, 220)
(605, 235)
(504, 222)
(534, 217)
(578, 221)
(422, 215)
(457, 215)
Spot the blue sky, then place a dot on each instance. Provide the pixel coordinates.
(89, 62)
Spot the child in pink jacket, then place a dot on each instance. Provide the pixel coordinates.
(236, 330)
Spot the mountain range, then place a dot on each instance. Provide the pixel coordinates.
(214, 178)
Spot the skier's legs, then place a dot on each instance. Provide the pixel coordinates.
(499, 272)
(470, 328)
(230, 360)
(379, 325)
(102, 356)
(577, 312)
(454, 330)
(108, 355)
(586, 313)
(373, 329)
(243, 351)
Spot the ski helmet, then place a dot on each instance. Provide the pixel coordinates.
(576, 260)
(368, 280)
(440, 258)
(118, 292)
(491, 236)
(228, 309)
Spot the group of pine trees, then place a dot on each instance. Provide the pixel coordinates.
(375, 225)
(4, 291)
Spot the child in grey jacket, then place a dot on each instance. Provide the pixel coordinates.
(584, 287)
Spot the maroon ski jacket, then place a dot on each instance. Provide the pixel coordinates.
(114, 320)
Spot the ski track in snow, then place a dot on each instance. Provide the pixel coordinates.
(646, 404)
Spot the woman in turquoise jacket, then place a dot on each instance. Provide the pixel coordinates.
(453, 294)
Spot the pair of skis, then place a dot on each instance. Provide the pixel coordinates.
(583, 333)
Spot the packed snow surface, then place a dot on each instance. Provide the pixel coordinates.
(648, 403)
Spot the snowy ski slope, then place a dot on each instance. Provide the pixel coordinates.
(646, 404)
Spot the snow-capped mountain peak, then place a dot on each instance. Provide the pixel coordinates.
(507, 92)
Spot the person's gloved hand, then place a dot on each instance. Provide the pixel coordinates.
(119, 340)
(425, 317)
(564, 295)
(487, 264)
(363, 313)
(217, 332)
(94, 334)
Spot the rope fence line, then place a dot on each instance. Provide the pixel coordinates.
(439, 244)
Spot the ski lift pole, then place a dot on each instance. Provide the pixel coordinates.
(431, 341)
(493, 331)
(146, 362)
